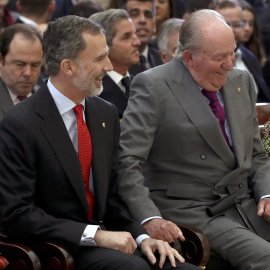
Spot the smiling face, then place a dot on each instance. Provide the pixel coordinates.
(124, 51)
(21, 67)
(209, 67)
(93, 63)
(141, 14)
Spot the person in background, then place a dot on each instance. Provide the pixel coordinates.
(142, 14)
(85, 9)
(168, 37)
(123, 53)
(21, 58)
(164, 11)
(35, 12)
(251, 37)
(194, 5)
(244, 58)
(6, 18)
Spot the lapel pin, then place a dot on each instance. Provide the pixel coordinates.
(239, 90)
(103, 124)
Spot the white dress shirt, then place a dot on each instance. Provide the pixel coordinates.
(65, 107)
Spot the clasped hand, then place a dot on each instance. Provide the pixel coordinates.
(124, 242)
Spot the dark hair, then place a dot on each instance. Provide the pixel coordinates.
(254, 44)
(194, 5)
(34, 7)
(63, 39)
(123, 4)
(28, 31)
(107, 19)
(85, 9)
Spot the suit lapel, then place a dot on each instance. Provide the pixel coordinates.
(5, 99)
(55, 131)
(195, 106)
(97, 128)
(233, 103)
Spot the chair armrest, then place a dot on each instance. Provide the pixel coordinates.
(195, 249)
(19, 256)
(53, 256)
(36, 256)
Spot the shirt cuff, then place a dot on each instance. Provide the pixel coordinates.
(149, 219)
(140, 238)
(265, 196)
(88, 236)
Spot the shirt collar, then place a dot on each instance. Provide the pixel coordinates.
(117, 77)
(63, 103)
(27, 21)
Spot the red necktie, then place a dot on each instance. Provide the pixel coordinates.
(85, 155)
(218, 111)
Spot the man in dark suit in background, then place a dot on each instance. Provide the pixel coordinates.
(244, 58)
(142, 14)
(35, 12)
(123, 53)
(59, 153)
(21, 58)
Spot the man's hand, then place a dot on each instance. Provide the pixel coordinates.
(264, 209)
(121, 241)
(149, 246)
(162, 229)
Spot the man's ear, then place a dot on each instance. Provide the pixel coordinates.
(162, 56)
(68, 67)
(188, 58)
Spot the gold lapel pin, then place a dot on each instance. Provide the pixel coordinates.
(239, 90)
(103, 124)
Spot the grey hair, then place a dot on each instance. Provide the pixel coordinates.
(170, 26)
(190, 37)
(63, 39)
(107, 19)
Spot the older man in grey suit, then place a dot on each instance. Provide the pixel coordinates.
(191, 151)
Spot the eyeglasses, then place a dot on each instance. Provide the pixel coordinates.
(236, 24)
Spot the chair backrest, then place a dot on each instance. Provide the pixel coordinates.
(263, 114)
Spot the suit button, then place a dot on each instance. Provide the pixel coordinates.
(203, 157)
(215, 187)
(241, 185)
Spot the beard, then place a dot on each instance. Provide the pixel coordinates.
(87, 84)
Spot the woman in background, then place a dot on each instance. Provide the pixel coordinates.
(164, 11)
(251, 37)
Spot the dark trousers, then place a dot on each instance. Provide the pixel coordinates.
(94, 258)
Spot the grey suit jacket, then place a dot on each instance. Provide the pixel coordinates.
(5, 99)
(171, 133)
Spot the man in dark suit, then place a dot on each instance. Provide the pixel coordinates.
(123, 53)
(59, 152)
(21, 58)
(142, 14)
(245, 59)
(35, 12)
(190, 147)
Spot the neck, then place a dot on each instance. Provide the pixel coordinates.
(67, 88)
(38, 19)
